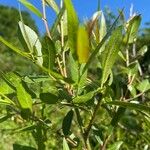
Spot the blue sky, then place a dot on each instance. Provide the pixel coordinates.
(85, 8)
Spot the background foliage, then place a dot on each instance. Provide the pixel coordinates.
(88, 85)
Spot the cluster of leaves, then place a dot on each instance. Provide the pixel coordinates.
(91, 94)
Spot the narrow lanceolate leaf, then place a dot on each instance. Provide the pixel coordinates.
(31, 7)
(103, 29)
(82, 45)
(73, 68)
(49, 53)
(30, 41)
(13, 48)
(84, 98)
(57, 21)
(133, 106)
(24, 98)
(72, 25)
(132, 29)
(66, 125)
(110, 53)
(53, 4)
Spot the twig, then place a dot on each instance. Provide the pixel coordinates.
(45, 20)
(86, 134)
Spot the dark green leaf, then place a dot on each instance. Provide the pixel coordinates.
(4, 118)
(22, 147)
(66, 125)
(49, 98)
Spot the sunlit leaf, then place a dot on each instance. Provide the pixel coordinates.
(115, 146)
(72, 25)
(82, 45)
(65, 145)
(143, 86)
(28, 36)
(53, 4)
(103, 29)
(132, 29)
(31, 7)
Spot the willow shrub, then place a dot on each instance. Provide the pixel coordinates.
(91, 93)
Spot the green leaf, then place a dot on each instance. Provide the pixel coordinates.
(65, 145)
(22, 147)
(66, 125)
(57, 21)
(143, 86)
(31, 8)
(142, 51)
(132, 29)
(72, 25)
(115, 146)
(84, 98)
(4, 118)
(28, 36)
(82, 45)
(5, 101)
(99, 46)
(15, 49)
(49, 53)
(132, 90)
(26, 128)
(5, 88)
(35, 79)
(110, 53)
(24, 99)
(49, 98)
(53, 4)
(73, 68)
(103, 29)
(128, 105)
